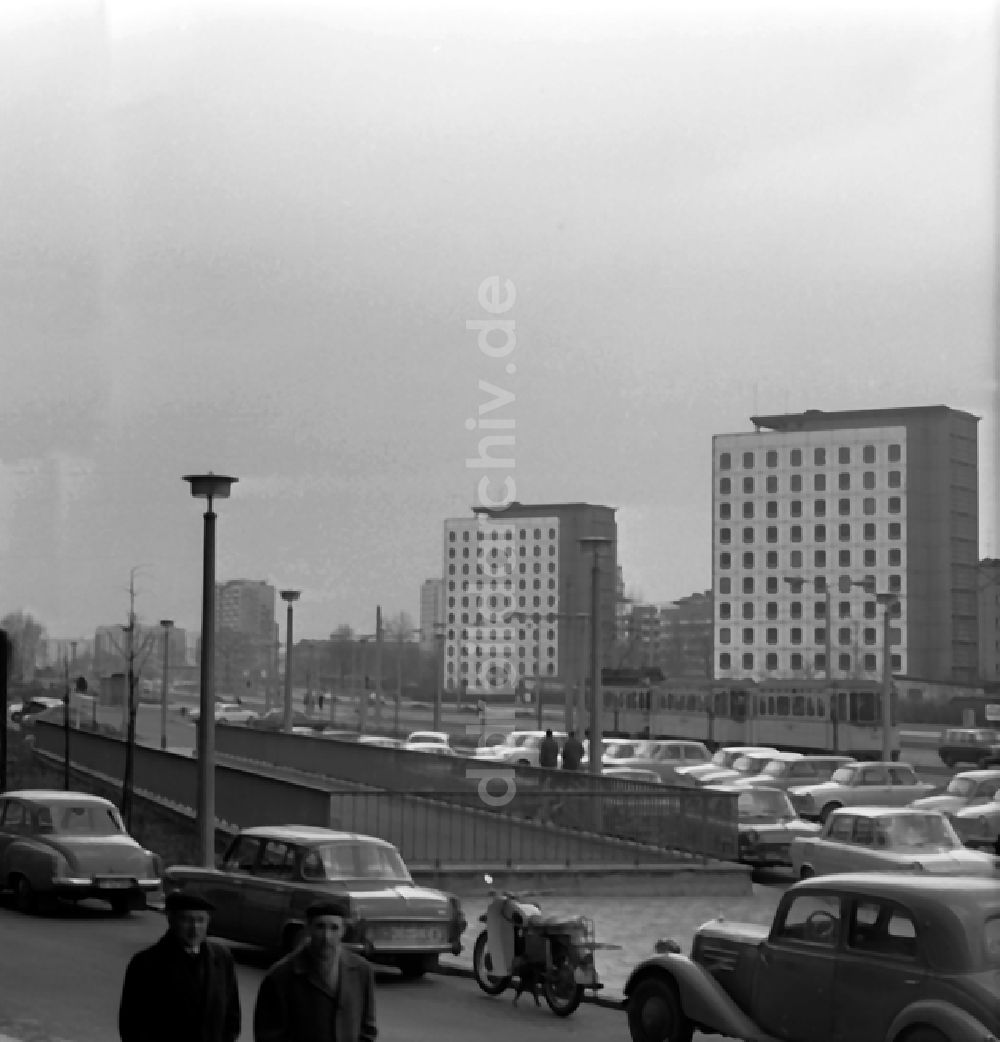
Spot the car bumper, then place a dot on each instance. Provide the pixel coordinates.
(769, 854)
(79, 888)
(375, 939)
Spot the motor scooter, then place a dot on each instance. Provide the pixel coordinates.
(522, 948)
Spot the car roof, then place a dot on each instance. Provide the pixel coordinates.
(875, 810)
(787, 756)
(980, 775)
(308, 834)
(50, 795)
(741, 789)
(748, 749)
(978, 892)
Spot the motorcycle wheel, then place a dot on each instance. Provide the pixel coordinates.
(482, 969)
(562, 993)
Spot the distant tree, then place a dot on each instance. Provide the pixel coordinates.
(25, 634)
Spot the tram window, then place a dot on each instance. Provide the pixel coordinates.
(799, 706)
(661, 702)
(782, 705)
(770, 705)
(721, 703)
(863, 707)
(692, 703)
(810, 706)
(820, 707)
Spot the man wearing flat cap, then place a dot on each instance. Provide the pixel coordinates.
(321, 992)
(182, 987)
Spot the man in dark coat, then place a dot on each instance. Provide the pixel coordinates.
(182, 987)
(319, 993)
(548, 751)
(572, 752)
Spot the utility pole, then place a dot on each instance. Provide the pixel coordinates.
(399, 679)
(378, 666)
(66, 729)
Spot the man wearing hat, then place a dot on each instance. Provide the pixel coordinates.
(182, 987)
(322, 992)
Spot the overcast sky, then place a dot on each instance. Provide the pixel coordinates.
(248, 238)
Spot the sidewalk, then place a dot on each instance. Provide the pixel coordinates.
(634, 923)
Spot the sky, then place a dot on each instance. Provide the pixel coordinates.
(263, 238)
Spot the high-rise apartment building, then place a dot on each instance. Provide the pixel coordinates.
(988, 589)
(246, 606)
(517, 586)
(810, 503)
(431, 611)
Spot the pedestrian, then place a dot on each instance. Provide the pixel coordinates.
(548, 751)
(321, 992)
(308, 701)
(996, 846)
(572, 752)
(321, 701)
(183, 986)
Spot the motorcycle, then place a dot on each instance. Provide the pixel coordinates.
(522, 948)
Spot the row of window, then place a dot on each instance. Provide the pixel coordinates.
(522, 634)
(795, 509)
(869, 454)
(750, 535)
(522, 584)
(522, 551)
(522, 602)
(819, 483)
(490, 651)
(524, 669)
(869, 610)
(865, 558)
(493, 535)
(796, 661)
(845, 635)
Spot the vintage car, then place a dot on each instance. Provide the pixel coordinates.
(883, 784)
(968, 789)
(665, 757)
(787, 770)
(722, 759)
(428, 738)
(631, 774)
(746, 766)
(874, 957)
(975, 745)
(527, 752)
(886, 839)
(767, 825)
(270, 875)
(380, 740)
(27, 711)
(274, 720)
(58, 844)
(979, 824)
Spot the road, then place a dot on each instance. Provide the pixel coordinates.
(60, 981)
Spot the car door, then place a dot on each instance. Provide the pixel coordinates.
(226, 889)
(873, 787)
(905, 785)
(800, 772)
(267, 893)
(793, 986)
(880, 971)
(13, 815)
(834, 848)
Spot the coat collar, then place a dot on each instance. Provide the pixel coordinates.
(302, 964)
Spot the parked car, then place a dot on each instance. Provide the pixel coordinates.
(274, 720)
(722, 759)
(767, 825)
(613, 750)
(746, 766)
(26, 711)
(427, 738)
(979, 824)
(226, 713)
(380, 740)
(792, 769)
(968, 789)
(58, 844)
(880, 839)
(976, 745)
(527, 751)
(877, 957)
(429, 747)
(631, 774)
(270, 875)
(665, 757)
(488, 750)
(883, 784)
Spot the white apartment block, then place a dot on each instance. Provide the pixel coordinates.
(815, 501)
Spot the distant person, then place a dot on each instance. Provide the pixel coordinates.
(548, 751)
(321, 992)
(308, 701)
(572, 752)
(320, 701)
(183, 986)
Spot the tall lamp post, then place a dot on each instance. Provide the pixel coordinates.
(209, 487)
(289, 597)
(439, 636)
(594, 543)
(166, 624)
(890, 603)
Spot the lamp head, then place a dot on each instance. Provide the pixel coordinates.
(166, 623)
(210, 486)
(289, 596)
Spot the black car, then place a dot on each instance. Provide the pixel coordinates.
(979, 746)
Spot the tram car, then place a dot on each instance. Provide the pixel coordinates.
(801, 715)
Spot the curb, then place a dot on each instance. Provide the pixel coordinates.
(451, 969)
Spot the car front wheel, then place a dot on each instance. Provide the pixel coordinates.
(655, 1014)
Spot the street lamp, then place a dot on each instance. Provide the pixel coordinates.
(166, 624)
(595, 543)
(439, 636)
(289, 597)
(207, 486)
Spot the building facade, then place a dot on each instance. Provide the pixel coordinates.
(517, 595)
(816, 513)
(246, 633)
(431, 611)
(988, 589)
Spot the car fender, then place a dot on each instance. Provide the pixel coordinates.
(35, 861)
(703, 999)
(951, 1021)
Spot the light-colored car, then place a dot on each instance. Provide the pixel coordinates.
(666, 757)
(497, 750)
(71, 845)
(227, 713)
(979, 824)
(788, 770)
(968, 789)
(722, 759)
(427, 738)
(631, 774)
(271, 874)
(888, 839)
(429, 747)
(767, 825)
(747, 766)
(380, 740)
(614, 750)
(881, 784)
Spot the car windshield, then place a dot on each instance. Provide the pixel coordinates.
(353, 860)
(843, 775)
(620, 752)
(79, 819)
(925, 831)
(960, 787)
(750, 764)
(763, 803)
(721, 758)
(776, 768)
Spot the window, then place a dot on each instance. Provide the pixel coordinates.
(748, 560)
(895, 453)
(748, 535)
(895, 504)
(796, 635)
(819, 508)
(844, 559)
(747, 609)
(877, 928)
(771, 459)
(748, 461)
(844, 533)
(771, 485)
(725, 511)
(772, 609)
(724, 660)
(277, 860)
(725, 635)
(870, 635)
(844, 482)
(869, 663)
(748, 634)
(748, 510)
(725, 585)
(844, 507)
(725, 560)
(895, 530)
(772, 534)
(819, 635)
(819, 457)
(725, 486)
(841, 829)
(795, 457)
(748, 660)
(796, 533)
(772, 635)
(819, 558)
(819, 482)
(771, 662)
(795, 483)
(868, 454)
(868, 480)
(748, 584)
(868, 505)
(844, 662)
(819, 533)
(796, 660)
(772, 508)
(725, 461)
(795, 508)
(819, 661)
(895, 479)
(748, 486)
(844, 635)
(844, 609)
(810, 919)
(895, 663)
(771, 560)
(242, 855)
(795, 558)
(772, 581)
(895, 585)
(895, 557)
(869, 609)
(868, 531)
